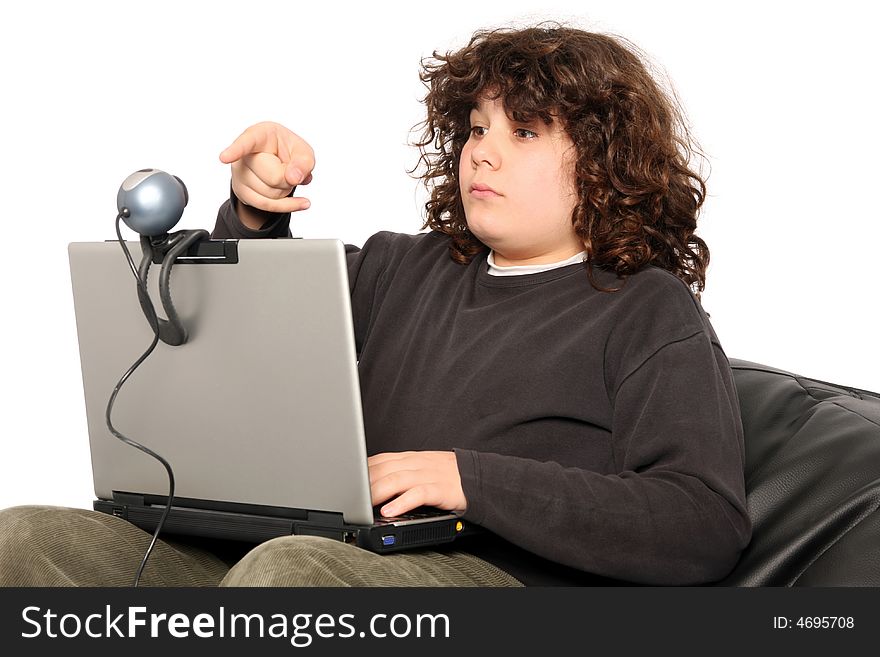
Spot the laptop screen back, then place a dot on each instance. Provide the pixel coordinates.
(262, 404)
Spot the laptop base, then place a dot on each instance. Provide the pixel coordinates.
(390, 536)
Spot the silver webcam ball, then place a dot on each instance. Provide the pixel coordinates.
(151, 201)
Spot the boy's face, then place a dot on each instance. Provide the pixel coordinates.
(517, 187)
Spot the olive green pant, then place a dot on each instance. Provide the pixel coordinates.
(53, 546)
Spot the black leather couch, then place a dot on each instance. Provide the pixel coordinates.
(812, 479)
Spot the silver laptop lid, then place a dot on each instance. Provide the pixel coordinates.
(261, 405)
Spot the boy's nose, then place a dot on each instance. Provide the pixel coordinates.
(486, 152)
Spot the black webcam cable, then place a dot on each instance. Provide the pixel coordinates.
(153, 320)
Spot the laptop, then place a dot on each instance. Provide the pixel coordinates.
(258, 413)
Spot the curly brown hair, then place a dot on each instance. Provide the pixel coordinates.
(638, 200)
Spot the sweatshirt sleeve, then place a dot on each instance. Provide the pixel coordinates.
(674, 513)
(229, 226)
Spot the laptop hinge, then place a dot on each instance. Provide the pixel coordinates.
(326, 519)
(128, 498)
(321, 523)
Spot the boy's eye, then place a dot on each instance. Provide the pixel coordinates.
(478, 131)
(524, 133)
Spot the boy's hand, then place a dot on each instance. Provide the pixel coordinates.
(268, 161)
(416, 479)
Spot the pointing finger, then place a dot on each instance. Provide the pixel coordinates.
(258, 138)
(245, 143)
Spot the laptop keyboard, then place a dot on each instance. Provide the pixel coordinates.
(415, 514)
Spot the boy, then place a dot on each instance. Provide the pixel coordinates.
(537, 362)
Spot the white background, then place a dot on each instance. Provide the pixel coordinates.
(780, 95)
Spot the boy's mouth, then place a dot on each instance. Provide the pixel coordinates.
(481, 190)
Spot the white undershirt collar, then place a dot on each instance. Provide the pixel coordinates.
(519, 270)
